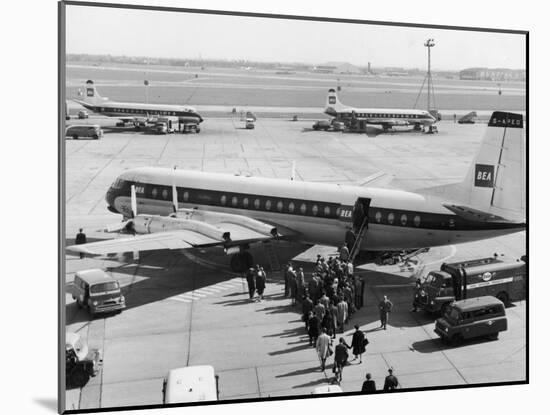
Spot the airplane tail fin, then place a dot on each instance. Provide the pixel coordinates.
(91, 96)
(333, 104)
(496, 181)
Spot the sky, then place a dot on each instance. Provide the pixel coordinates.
(96, 30)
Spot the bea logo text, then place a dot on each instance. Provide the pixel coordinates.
(484, 175)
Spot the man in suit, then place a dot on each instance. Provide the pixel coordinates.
(80, 239)
(391, 382)
(340, 358)
(385, 306)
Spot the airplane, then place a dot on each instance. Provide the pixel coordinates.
(385, 117)
(139, 114)
(186, 209)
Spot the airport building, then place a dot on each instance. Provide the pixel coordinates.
(496, 74)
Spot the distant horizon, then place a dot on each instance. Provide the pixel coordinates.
(273, 62)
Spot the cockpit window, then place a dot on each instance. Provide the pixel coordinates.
(118, 184)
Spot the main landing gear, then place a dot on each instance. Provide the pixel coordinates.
(241, 261)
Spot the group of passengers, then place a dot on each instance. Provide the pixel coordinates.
(256, 279)
(329, 298)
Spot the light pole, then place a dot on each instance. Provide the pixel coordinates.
(431, 92)
(429, 44)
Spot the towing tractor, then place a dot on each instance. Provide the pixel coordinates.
(495, 276)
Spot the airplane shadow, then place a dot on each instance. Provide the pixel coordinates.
(299, 372)
(302, 346)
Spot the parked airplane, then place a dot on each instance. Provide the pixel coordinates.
(387, 118)
(185, 209)
(139, 114)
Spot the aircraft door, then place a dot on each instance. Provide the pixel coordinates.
(360, 214)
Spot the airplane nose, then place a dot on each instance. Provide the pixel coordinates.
(110, 199)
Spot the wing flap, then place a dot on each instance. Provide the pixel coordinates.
(476, 215)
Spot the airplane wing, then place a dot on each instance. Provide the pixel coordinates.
(378, 179)
(175, 239)
(476, 215)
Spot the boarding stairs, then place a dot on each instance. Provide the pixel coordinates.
(359, 239)
(274, 263)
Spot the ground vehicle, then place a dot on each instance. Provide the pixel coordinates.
(321, 125)
(80, 363)
(468, 118)
(337, 125)
(432, 129)
(501, 278)
(98, 291)
(83, 115)
(190, 384)
(84, 131)
(163, 128)
(249, 124)
(471, 318)
(190, 128)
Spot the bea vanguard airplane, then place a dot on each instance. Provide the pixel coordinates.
(138, 113)
(385, 117)
(189, 209)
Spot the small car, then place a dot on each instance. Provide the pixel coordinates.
(191, 128)
(321, 125)
(80, 363)
(84, 131)
(82, 115)
(249, 124)
(472, 318)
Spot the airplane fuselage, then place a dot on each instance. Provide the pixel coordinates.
(140, 110)
(317, 213)
(383, 116)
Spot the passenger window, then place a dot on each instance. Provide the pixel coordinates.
(280, 206)
(403, 220)
(291, 207)
(257, 203)
(223, 200)
(234, 201)
(165, 194)
(391, 217)
(245, 202)
(185, 196)
(303, 208)
(315, 209)
(378, 217)
(327, 211)
(268, 205)
(416, 221)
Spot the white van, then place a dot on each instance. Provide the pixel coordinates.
(190, 384)
(84, 131)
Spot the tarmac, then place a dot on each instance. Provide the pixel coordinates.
(187, 308)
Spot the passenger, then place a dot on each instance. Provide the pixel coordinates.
(385, 306)
(307, 307)
(314, 329)
(323, 348)
(344, 253)
(251, 283)
(293, 288)
(319, 310)
(342, 315)
(80, 239)
(358, 343)
(340, 359)
(260, 282)
(333, 319)
(391, 382)
(368, 385)
(324, 300)
(358, 292)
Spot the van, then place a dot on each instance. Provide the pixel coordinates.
(190, 384)
(97, 291)
(472, 318)
(84, 131)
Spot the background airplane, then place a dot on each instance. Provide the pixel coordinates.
(139, 114)
(385, 117)
(185, 209)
